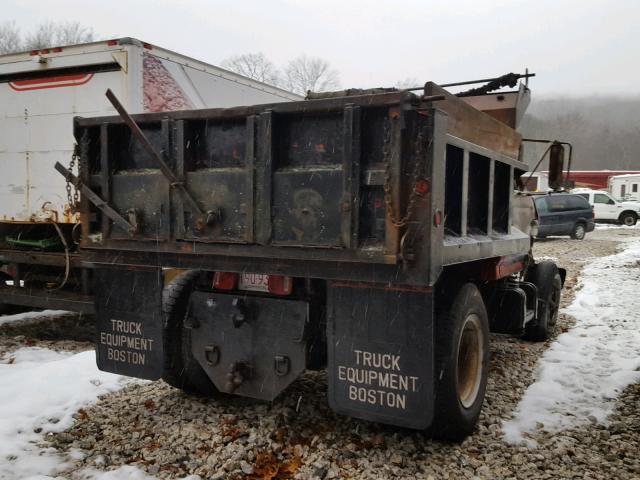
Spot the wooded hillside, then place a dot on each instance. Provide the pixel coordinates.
(604, 130)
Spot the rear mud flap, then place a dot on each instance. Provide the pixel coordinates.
(129, 322)
(380, 354)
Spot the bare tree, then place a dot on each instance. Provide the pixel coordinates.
(304, 74)
(50, 34)
(9, 37)
(69, 33)
(43, 36)
(253, 65)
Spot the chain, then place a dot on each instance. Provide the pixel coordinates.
(417, 174)
(74, 198)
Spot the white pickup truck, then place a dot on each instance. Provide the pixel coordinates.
(607, 209)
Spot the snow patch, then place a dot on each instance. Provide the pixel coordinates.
(544, 258)
(610, 226)
(30, 315)
(33, 355)
(40, 390)
(584, 370)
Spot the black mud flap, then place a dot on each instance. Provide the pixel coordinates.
(380, 354)
(129, 322)
(248, 345)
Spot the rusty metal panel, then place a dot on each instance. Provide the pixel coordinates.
(307, 207)
(218, 158)
(144, 196)
(224, 193)
(474, 126)
(308, 180)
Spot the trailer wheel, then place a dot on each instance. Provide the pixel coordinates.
(181, 369)
(546, 277)
(462, 363)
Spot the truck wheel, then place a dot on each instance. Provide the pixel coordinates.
(546, 277)
(579, 231)
(629, 219)
(181, 369)
(462, 363)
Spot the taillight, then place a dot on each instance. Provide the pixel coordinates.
(225, 280)
(437, 218)
(280, 285)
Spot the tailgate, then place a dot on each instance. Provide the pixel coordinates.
(296, 174)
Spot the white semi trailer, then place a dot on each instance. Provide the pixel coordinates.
(41, 91)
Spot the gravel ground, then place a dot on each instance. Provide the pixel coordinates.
(170, 435)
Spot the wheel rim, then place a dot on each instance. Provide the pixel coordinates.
(469, 366)
(579, 231)
(629, 221)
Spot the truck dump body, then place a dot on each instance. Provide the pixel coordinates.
(349, 188)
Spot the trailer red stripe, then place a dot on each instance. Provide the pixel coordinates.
(51, 82)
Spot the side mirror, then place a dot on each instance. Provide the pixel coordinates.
(556, 165)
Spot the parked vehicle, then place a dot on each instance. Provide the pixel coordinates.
(376, 235)
(563, 214)
(607, 209)
(625, 187)
(40, 93)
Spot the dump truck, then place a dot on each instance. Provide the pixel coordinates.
(376, 234)
(40, 92)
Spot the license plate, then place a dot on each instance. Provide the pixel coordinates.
(256, 282)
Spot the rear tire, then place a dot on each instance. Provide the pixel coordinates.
(546, 277)
(462, 364)
(579, 231)
(628, 219)
(181, 369)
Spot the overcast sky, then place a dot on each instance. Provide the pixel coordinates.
(574, 47)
